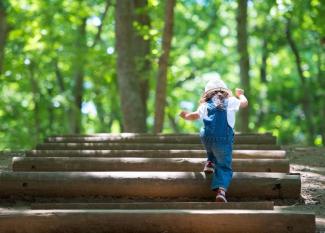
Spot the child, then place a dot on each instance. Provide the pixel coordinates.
(217, 110)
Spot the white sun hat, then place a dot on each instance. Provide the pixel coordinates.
(216, 84)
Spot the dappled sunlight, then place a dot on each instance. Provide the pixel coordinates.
(132, 70)
(137, 174)
(269, 175)
(46, 58)
(293, 210)
(312, 170)
(174, 211)
(157, 161)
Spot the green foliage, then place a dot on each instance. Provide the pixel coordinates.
(42, 45)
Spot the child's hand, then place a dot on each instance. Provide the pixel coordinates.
(239, 92)
(183, 114)
(242, 98)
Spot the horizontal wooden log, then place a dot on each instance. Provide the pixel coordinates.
(140, 164)
(114, 135)
(143, 146)
(242, 154)
(192, 139)
(190, 185)
(148, 221)
(261, 205)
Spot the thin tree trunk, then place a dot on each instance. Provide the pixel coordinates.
(101, 114)
(116, 113)
(242, 44)
(100, 27)
(99, 105)
(3, 33)
(173, 123)
(81, 50)
(306, 98)
(264, 60)
(142, 51)
(36, 98)
(50, 111)
(163, 66)
(58, 75)
(133, 114)
(62, 88)
(263, 72)
(321, 97)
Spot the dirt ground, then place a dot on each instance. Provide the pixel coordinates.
(308, 161)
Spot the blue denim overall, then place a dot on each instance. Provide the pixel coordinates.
(217, 137)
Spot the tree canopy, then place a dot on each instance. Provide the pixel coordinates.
(58, 62)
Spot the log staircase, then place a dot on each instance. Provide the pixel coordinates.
(148, 183)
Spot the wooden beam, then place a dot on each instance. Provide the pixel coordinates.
(240, 154)
(140, 164)
(151, 185)
(148, 221)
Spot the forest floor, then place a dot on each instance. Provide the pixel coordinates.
(308, 161)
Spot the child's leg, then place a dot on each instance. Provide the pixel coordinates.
(209, 165)
(210, 156)
(221, 195)
(207, 143)
(223, 171)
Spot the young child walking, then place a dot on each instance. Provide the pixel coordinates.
(217, 110)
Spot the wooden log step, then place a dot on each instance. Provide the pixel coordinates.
(143, 146)
(192, 139)
(262, 205)
(190, 185)
(134, 135)
(141, 164)
(148, 221)
(240, 154)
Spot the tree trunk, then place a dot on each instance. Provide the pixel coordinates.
(58, 75)
(65, 112)
(79, 62)
(100, 27)
(263, 72)
(36, 99)
(3, 33)
(142, 51)
(264, 60)
(242, 43)
(321, 97)
(133, 114)
(173, 123)
(163, 65)
(50, 112)
(101, 113)
(306, 98)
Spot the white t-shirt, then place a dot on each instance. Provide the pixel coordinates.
(232, 108)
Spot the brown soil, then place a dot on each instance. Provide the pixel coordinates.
(310, 163)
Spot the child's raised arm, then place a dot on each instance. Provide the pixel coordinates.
(242, 98)
(191, 116)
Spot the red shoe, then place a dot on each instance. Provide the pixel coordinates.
(221, 196)
(208, 167)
